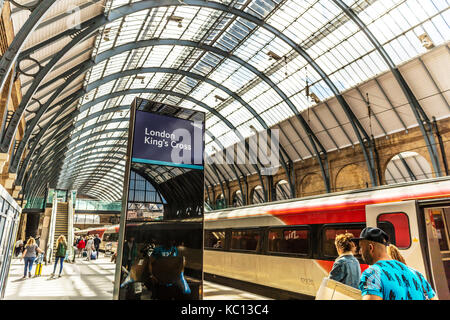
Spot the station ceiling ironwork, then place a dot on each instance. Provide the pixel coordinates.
(307, 68)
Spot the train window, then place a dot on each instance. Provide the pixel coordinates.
(249, 240)
(215, 239)
(293, 241)
(396, 225)
(111, 237)
(329, 233)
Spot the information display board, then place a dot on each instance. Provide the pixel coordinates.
(160, 249)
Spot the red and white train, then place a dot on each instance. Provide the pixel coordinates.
(108, 234)
(285, 249)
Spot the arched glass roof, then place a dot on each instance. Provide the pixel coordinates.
(255, 63)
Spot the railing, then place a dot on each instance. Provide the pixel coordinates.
(97, 205)
(35, 203)
(51, 234)
(70, 239)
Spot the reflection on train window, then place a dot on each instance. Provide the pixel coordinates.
(329, 233)
(294, 241)
(248, 240)
(396, 225)
(215, 239)
(111, 237)
(440, 229)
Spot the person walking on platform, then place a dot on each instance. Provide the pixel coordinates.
(75, 249)
(38, 241)
(29, 255)
(129, 253)
(97, 242)
(61, 248)
(81, 245)
(346, 268)
(90, 248)
(388, 279)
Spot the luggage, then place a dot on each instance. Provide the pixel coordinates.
(38, 262)
(84, 254)
(38, 271)
(94, 255)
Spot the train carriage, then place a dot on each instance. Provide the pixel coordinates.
(284, 249)
(108, 234)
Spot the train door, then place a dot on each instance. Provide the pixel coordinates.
(437, 223)
(412, 232)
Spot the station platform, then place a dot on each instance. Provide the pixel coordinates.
(84, 280)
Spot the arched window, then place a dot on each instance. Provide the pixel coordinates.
(220, 202)
(237, 199)
(407, 166)
(282, 190)
(143, 191)
(257, 195)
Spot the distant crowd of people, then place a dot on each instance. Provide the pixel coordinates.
(387, 278)
(87, 246)
(84, 246)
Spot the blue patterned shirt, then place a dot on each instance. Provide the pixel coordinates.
(393, 280)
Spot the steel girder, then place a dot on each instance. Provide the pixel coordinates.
(131, 72)
(232, 166)
(95, 161)
(145, 90)
(74, 155)
(57, 158)
(43, 171)
(11, 54)
(422, 119)
(95, 165)
(198, 77)
(67, 119)
(29, 129)
(74, 152)
(106, 189)
(40, 113)
(62, 132)
(135, 7)
(96, 84)
(31, 170)
(101, 175)
(12, 125)
(91, 164)
(128, 9)
(83, 178)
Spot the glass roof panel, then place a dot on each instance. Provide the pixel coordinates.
(326, 33)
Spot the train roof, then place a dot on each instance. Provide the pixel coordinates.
(425, 189)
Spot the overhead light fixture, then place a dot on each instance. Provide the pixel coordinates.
(273, 55)
(219, 98)
(142, 78)
(314, 98)
(106, 34)
(177, 19)
(426, 41)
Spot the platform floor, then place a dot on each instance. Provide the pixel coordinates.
(86, 280)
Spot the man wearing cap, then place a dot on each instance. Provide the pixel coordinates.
(388, 279)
